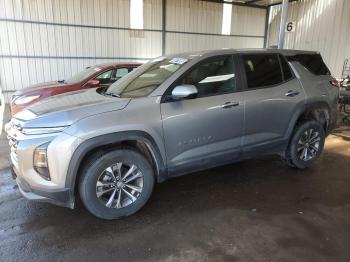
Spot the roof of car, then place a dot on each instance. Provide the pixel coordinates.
(197, 54)
(117, 64)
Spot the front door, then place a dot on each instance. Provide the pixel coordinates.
(207, 130)
(105, 78)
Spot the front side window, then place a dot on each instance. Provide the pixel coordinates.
(213, 76)
(105, 77)
(262, 70)
(146, 78)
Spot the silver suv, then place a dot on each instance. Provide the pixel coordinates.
(172, 116)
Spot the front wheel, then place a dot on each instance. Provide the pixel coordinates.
(116, 184)
(306, 144)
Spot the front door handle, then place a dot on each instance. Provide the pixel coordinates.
(292, 93)
(230, 104)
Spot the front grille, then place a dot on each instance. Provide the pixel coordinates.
(14, 135)
(13, 147)
(13, 129)
(16, 125)
(12, 142)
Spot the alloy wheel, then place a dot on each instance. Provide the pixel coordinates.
(119, 185)
(309, 145)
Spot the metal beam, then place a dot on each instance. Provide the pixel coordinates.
(252, 1)
(74, 25)
(163, 25)
(290, 1)
(283, 21)
(235, 3)
(162, 31)
(266, 33)
(213, 34)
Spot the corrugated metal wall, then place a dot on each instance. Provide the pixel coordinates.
(187, 21)
(43, 40)
(321, 25)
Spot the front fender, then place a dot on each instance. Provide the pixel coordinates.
(113, 138)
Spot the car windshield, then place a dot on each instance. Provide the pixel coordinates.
(142, 81)
(82, 75)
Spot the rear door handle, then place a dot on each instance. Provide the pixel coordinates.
(292, 93)
(230, 104)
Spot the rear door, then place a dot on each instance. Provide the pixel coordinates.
(271, 97)
(316, 77)
(207, 130)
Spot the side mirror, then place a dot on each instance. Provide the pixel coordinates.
(92, 83)
(184, 91)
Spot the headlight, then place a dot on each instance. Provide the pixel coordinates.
(40, 163)
(25, 99)
(42, 130)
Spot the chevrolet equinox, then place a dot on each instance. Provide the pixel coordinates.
(171, 116)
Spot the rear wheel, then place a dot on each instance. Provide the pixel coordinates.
(116, 184)
(306, 144)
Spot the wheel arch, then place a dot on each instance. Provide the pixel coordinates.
(319, 111)
(138, 140)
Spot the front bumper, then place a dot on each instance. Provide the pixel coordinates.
(61, 197)
(31, 184)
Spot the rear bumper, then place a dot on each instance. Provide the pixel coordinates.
(61, 197)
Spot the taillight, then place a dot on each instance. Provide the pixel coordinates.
(335, 83)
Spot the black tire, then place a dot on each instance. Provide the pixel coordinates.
(92, 172)
(293, 156)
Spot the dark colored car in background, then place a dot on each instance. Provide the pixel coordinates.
(102, 75)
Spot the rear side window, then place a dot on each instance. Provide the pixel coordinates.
(262, 70)
(312, 62)
(287, 72)
(120, 72)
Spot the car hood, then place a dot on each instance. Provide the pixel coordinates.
(65, 109)
(39, 87)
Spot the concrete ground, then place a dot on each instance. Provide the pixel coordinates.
(4, 147)
(256, 210)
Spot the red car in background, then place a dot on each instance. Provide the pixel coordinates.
(91, 77)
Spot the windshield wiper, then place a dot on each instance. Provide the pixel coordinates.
(61, 81)
(111, 94)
